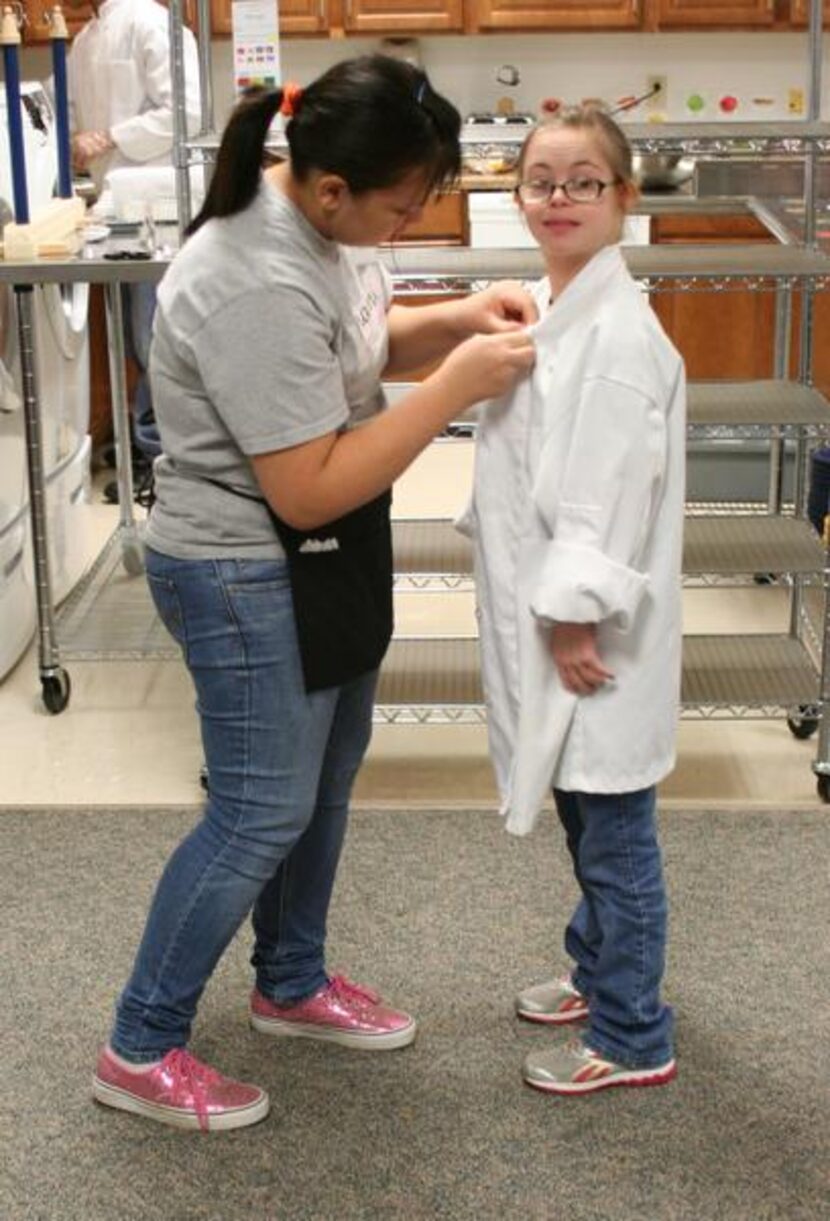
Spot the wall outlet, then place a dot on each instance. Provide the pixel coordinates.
(660, 87)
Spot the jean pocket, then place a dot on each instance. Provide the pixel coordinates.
(166, 601)
(255, 576)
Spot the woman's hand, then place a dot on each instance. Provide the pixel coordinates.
(485, 366)
(574, 650)
(504, 306)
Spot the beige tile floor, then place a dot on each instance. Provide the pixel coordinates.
(129, 735)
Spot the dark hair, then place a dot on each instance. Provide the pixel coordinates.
(371, 120)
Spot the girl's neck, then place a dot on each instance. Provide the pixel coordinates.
(562, 271)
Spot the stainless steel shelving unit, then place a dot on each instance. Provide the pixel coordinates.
(427, 680)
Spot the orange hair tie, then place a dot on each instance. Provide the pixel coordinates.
(291, 94)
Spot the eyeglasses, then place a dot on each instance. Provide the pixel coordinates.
(577, 190)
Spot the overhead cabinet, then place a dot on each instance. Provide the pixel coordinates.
(699, 13)
(555, 14)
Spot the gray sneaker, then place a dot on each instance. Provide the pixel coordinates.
(554, 1003)
(573, 1068)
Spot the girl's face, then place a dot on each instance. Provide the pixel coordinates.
(381, 215)
(570, 233)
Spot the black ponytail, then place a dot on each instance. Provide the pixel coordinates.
(236, 176)
(372, 120)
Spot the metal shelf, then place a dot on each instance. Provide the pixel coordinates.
(436, 680)
(756, 410)
(430, 554)
(694, 266)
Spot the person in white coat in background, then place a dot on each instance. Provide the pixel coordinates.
(577, 518)
(121, 114)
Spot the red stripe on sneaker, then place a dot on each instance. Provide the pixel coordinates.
(592, 1072)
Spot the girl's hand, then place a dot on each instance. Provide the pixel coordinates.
(573, 647)
(505, 306)
(485, 366)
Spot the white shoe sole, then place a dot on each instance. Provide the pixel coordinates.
(387, 1041)
(123, 1100)
(633, 1077)
(553, 1019)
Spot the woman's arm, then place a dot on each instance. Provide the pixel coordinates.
(310, 484)
(422, 333)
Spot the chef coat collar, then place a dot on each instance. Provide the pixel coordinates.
(587, 286)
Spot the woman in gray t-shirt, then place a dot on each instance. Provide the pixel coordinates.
(269, 554)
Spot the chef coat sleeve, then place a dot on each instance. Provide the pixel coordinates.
(599, 516)
(270, 371)
(149, 135)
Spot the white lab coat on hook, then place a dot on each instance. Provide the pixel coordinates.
(577, 516)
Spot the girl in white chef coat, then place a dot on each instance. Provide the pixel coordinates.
(577, 519)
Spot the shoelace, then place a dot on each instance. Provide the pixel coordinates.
(348, 991)
(194, 1076)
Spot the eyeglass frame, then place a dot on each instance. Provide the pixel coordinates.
(553, 187)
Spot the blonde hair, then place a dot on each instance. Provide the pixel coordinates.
(591, 119)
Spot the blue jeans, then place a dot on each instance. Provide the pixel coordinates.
(617, 935)
(281, 765)
(139, 307)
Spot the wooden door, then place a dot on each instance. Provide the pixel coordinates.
(402, 16)
(557, 14)
(295, 16)
(800, 12)
(725, 335)
(715, 13)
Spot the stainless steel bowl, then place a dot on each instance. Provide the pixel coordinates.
(662, 171)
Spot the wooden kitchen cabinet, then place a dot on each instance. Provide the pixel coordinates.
(555, 14)
(700, 13)
(403, 16)
(800, 12)
(37, 29)
(725, 335)
(296, 16)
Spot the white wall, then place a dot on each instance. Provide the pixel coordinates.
(746, 64)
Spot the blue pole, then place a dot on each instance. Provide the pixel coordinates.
(62, 116)
(18, 157)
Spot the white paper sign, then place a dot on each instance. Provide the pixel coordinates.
(256, 43)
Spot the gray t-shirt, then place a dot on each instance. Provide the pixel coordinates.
(266, 335)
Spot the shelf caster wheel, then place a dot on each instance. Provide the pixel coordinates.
(132, 557)
(802, 725)
(823, 788)
(55, 690)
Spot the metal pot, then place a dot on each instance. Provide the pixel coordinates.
(662, 171)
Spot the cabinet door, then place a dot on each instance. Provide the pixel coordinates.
(557, 14)
(402, 16)
(37, 28)
(295, 16)
(715, 13)
(722, 336)
(800, 12)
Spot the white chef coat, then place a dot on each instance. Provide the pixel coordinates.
(577, 517)
(118, 74)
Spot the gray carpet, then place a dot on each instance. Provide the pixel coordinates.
(448, 916)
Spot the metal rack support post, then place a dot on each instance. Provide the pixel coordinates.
(132, 552)
(181, 158)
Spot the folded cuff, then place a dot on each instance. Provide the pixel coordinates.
(579, 584)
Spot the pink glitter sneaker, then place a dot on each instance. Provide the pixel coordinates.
(341, 1012)
(180, 1091)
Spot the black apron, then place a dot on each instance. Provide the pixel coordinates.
(341, 590)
